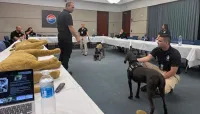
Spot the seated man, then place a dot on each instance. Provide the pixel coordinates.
(122, 34)
(169, 60)
(17, 34)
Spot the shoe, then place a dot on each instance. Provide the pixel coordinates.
(171, 91)
(144, 88)
(70, 72)
(156, 94)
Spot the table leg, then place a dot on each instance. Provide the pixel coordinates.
(187, 66)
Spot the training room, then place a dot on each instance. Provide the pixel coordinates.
(99, 56)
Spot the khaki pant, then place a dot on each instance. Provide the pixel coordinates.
(83, 42)
(170, 82)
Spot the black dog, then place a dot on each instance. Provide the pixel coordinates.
(151, 77)
(97, 55)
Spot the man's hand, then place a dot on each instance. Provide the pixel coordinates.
(72, 30)
(78, 39)
(89, 39)
(16, 38)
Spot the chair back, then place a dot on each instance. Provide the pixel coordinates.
(135, 37)
(6, 38)
(197, 42)
(190, 42)
(2, 46)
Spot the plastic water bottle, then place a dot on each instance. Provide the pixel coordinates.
(48, 100)
(180, 40)
(153, 40)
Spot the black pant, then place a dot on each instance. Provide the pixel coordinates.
(66, 50)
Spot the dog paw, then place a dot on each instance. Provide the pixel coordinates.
(130, 97)
(138, 97)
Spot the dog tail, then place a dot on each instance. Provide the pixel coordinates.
(162, 82)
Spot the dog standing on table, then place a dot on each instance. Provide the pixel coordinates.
(151, 77)
(99, 52)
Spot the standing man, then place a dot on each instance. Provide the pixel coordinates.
(83, 32)
(65, 32)
(169, 60)
(164, 30)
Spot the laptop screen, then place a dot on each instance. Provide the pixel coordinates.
(16, 87)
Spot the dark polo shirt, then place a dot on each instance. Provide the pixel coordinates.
(63, 21)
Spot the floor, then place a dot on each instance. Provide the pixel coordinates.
(106, 83)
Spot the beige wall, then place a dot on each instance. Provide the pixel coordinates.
(12, 15)
(139, 22)
(115, 22)
(89, 18)
(26, 16)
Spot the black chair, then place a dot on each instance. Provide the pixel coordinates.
(2, 46)
(197, 42)
(7, 41)
(6, 38)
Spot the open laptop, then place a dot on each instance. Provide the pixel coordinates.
(17, 92)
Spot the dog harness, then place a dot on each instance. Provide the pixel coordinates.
(132, 67)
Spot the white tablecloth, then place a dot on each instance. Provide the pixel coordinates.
(55, 39)
(71, 100)
(118, 42)
(194, 57)
(189, 52)
(149, 46)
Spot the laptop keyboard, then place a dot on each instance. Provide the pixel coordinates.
(17, 109)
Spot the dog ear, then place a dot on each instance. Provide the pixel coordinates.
(134, 57)
(138, 56)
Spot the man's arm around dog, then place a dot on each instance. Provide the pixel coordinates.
(166, 75)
